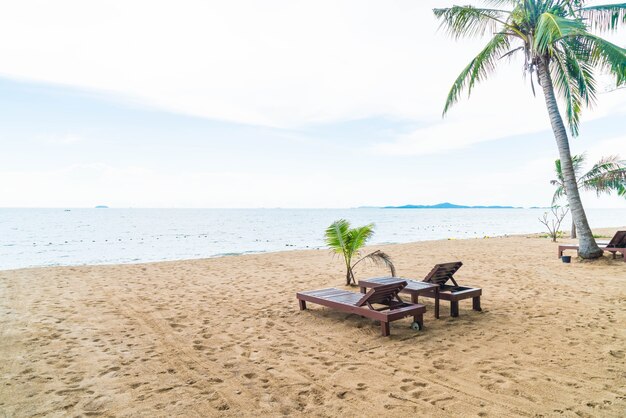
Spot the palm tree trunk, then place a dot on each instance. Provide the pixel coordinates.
(350, 280)
(587, 244)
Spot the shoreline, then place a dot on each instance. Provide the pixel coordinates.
(42, 238)
(248, 253)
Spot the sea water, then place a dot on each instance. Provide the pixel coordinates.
(53, 237)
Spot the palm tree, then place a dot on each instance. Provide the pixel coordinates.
(559, 52)
(347, 242)
(606, 176)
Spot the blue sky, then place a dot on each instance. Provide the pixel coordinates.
(148, 121)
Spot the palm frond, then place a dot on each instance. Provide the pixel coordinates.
(462, 21)
(573, 78)
(580, 69)
(336, 235)
(577, 165)
(567, 89)
(607, 183)
(605, 176)
(500, 2)
(478, 69)
(552, 28)
(558, 193)
(511, 52)
(357, 237)
(379, 258)
(604, 17)
(605, 55)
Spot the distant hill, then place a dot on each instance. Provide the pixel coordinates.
(447, 205)
(102, 207)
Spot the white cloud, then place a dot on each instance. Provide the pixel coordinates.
(462, 132)
(277, 63)
(65, 139)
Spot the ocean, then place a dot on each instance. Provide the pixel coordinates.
(55, 237)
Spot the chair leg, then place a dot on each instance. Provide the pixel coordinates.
(476, 303)
(363, 289)
(419, 319)
(302, 304)
(454, 308)
(384, 328)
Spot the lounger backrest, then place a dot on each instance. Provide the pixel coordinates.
(382, 294)
(618, 240)
(441, 273)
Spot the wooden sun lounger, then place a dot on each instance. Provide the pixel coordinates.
(616, 245)
(441, 274)
(391, 307)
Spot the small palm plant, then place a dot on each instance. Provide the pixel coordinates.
(606, 176)
(347, 241)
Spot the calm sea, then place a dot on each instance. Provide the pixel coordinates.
(52, 237)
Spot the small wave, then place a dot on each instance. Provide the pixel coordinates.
(227, 254)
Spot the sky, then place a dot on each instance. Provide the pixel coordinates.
(268, 104)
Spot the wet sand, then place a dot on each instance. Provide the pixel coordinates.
(224, 337)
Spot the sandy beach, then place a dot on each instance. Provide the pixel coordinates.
(224, 337)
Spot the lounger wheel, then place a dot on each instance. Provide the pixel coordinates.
(416, 326)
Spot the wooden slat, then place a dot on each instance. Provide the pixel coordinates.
(382, 293)
(441, 273)
(618, 240)
(326, 292)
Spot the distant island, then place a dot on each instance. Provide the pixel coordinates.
(447, 205)
(102, 207)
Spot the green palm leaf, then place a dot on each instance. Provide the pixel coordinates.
(604, 17)
(462, 21)
(606, 176)
(606, 56)
(567, 89)
(551, 28)
(577, 164)
(336, 235)
(357, 237)
(478, 69)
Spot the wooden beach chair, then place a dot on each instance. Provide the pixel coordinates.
(617, 244)
(441, 274)
(380, 303)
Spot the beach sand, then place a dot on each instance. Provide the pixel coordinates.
(224, 337)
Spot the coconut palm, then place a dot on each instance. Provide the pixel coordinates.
(348, 241)
(559, 52)
(606, 176)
